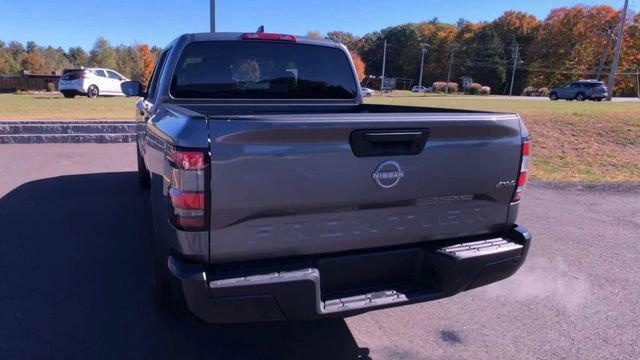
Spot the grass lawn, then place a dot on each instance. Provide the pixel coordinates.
(56, 107)
(578, 141)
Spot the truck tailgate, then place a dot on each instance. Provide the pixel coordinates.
(287, 185)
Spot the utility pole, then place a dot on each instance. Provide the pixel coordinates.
(212, 15)
(425, 49)
(616, 56)
(638, 80)
(605, 52)
(516, 52)
(384, 65)
(453, 50)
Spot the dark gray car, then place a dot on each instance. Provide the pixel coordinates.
(276, 194)
(580, 91)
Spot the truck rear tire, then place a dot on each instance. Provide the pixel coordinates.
(144, 179)
(167, 291)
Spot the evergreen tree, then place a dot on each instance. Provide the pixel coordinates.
(484, 60)
(7, 64)
(78, 57)
(103, 55)
(348, 39)
(17, 51)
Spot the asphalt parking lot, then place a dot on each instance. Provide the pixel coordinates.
(74, 259)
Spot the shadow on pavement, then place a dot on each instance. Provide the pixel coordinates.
(74, 259)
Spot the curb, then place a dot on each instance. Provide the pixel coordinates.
(44, 131)
(621, 187)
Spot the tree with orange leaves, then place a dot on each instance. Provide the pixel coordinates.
(34, 62)
(145, 63)
(359, 64)
(570, 42)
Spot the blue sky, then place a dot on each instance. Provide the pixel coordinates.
(70, 23)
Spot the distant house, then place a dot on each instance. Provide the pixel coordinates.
(26, 81)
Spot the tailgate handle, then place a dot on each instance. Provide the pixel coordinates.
(392, 136)
(388, 142)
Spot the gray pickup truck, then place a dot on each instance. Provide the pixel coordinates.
(277, 194)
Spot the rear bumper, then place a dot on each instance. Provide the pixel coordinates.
(345, 285)
(72, 91)
(72, 88)
(597, 95)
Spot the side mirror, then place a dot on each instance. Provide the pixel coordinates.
(133, 88)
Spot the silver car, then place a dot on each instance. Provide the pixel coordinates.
(366, 92)
(580, 90)
(419, 89)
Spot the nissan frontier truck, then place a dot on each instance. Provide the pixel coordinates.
(277, 194)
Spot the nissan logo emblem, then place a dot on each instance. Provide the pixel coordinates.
(387, 174)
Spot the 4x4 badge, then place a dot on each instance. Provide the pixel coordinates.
(388, 174)
(506, 184)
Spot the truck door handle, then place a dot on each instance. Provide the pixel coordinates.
(388, 142)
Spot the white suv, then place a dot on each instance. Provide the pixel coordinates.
(90, 82)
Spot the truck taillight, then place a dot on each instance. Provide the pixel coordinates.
(188, 200)
(524, 169)
(187, 209)
(186, 160)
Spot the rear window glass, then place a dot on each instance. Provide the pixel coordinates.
(593, 85)
(72, 74)
(262, 70)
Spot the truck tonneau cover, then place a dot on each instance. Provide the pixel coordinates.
(321, 110)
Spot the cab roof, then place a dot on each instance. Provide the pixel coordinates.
(237, 36)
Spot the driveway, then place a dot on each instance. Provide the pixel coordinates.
(74, 255)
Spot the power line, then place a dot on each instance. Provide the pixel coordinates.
(475, 61)
(545, 70)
